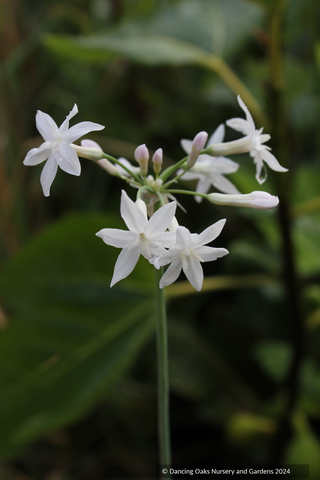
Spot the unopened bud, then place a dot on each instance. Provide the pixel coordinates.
(141, 154)
(157, 161)
(198, 143)
(259, 200)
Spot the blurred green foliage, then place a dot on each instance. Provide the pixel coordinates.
(77, 360)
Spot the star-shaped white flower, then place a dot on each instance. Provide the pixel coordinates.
(57, 149)
(253, 142)
(144, 237)
(188, 253)
(210, 170)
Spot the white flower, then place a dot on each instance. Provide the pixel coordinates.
(188, 253)
(57, 149)
(211, 170)
(144, 237)
(259, 200)
(253, 142)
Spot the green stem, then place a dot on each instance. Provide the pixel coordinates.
(217, 65)
(292, 282)
(163, 374)
(170, 170)
(188, 192)
(114, 160)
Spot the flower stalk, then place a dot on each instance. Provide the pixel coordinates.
(163, 373)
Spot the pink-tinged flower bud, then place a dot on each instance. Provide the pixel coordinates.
(198, 143)
(157, 160)
(141, 154)
(259, 200)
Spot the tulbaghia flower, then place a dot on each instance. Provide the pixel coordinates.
(144, 237)
(252, 142)
(258, 151)
(258, 200)
(210, 170)
(57, 149)
(188, 253)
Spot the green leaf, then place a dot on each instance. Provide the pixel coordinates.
(147, 49)
(71, 336)
(304, 448)
(275, 358)
(175, 34)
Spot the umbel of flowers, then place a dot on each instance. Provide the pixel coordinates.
(153, 230)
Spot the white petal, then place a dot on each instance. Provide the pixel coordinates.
(210, 233)
(264, 137)
(65, 125)
(248, 114)
(223, 165)
(224, 185)
(217, 136)
(125, 263)
(117, 238)
(81, 129)
(272, 161)
(48, 174)
(132, 215)
(209, 254)
(166, 239)
(239, 124)
(191, 175)
(38, 155)
(161, 220)
(46, 126)
(67, 159)
(184, 239)
(203, 186)
(193, 271)
(167, 257)
(186, 145)
(257, 159)
(171, 274)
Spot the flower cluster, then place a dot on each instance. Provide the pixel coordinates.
(153, 230)
(152, 239)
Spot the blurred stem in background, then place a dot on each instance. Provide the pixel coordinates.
(289, 269)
